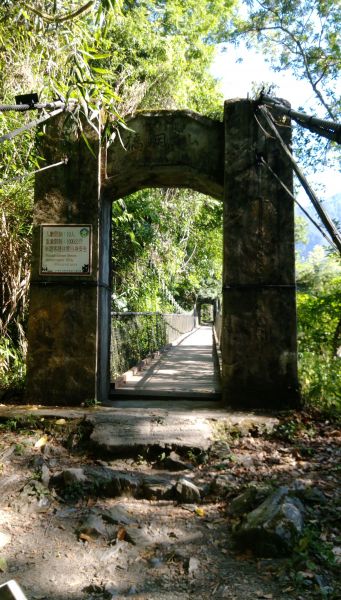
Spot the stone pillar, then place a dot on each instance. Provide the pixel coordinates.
(68, 356)
(259, 314)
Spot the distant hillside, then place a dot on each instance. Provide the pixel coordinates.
(332, 207)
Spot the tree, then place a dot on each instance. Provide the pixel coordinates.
(302, 35)
(166, 240)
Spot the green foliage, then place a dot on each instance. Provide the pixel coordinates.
(312, 555)
(135, 338)
(12, 365)
(320, 381)
(319, 330)
(172, 236)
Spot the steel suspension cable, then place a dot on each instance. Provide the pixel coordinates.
(266, 164)
(329, 225)
(328, 129)
(28, 126)
(26, 175)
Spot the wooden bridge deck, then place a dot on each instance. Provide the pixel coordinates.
(186, 370)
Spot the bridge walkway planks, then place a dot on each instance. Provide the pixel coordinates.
(187, 370)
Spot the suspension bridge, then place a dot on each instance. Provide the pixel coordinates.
(187, 369)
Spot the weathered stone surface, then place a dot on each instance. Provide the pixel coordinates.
(220, 449)
(273, 528)
(93, 526)
(222, 485)
(157, 488)
(5, 539)
(65, 363)
(307, 493)
(73, 475)
(127, 433)
(111, 483)
(186, 491)
(193, 566)
(173, 462)
(167, 149)
(117, 515)
(248, 500)
(45, 475)
(139, 536)
(259, 317)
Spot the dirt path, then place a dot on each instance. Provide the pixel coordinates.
(60, 540)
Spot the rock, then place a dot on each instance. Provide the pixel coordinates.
(248, 500)
(34, 497)
(193, 566)
(117, 515)
(138, 536)
(173, 462)
(10, 483)
(223, 485)
(93, 527)
(72, 476)
(111, 483)
(186, 491)
(307, 493)
(157, 488)
(220, 450)
(156, 562)
(45, 475)
(4, 539)
(245, 461)
(273, 527)
(125, 484)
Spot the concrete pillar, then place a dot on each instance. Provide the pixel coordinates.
(67, 341)
(259, 315)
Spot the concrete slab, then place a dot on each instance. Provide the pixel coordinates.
(128, 429)
(129, 433)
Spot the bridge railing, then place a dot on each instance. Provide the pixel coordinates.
(217, 325)
(137, 335)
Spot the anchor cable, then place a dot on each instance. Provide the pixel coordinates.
(328, 224)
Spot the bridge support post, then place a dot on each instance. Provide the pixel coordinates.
(259, 315)
(67, 351)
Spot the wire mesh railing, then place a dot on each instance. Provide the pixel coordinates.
(217, 325)
(134, 336)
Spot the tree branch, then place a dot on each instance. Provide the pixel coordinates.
(56, 19)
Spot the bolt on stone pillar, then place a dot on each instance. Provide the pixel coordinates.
(259, 312)
(67, 351)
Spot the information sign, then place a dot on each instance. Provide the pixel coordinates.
(65, 250)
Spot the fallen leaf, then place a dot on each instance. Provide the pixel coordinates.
(121, 534)
(41, 442)
(60, 422)
(200, 512)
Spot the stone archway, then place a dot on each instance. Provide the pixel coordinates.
(213, 302)
(68, 359)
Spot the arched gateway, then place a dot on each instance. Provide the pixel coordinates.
(69, 321)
